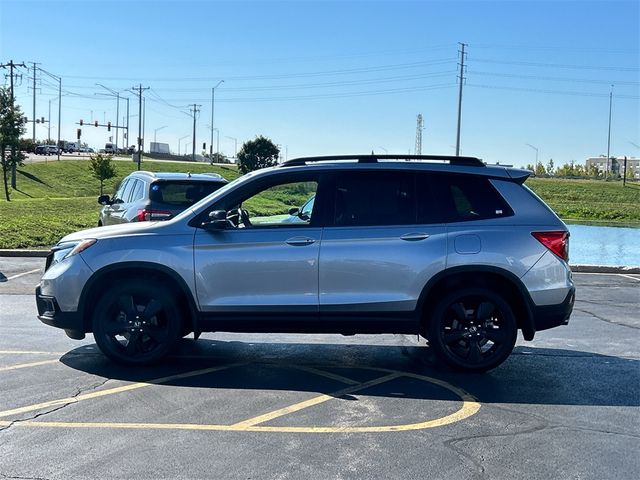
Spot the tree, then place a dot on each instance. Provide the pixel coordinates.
(550, 167)
(101, 168)
(540, 170)
(257, 154)
(12, 125)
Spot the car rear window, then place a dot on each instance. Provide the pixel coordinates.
(181, 194)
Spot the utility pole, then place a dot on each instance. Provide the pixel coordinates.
(609, 134)
(11, 66)
(193, 145)
(461, 78)
(49, 123)
(140, 139)
(213, 90)
(35, 68)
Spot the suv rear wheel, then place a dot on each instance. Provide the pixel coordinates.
(473, 329)
(137, 322)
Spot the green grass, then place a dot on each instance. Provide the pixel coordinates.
(590, 200)
(57, 198)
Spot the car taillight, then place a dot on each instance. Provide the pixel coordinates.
(146, 214)
(557, 242)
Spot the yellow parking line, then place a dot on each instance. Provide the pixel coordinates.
(322, 373)
(313, 401)
(470, 406)
(27, 365)
(111, 391)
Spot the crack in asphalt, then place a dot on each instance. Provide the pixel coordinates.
(606, 320)
(21, 478)
(543, 424)
(59, 407)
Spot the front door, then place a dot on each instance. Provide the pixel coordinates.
(267, 258)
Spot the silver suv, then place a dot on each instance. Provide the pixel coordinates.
(143, 196)
(446, 247)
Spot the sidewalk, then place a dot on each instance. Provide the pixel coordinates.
(574, 268)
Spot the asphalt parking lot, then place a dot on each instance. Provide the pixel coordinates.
(239, 406)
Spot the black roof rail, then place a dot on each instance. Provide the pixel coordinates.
(452, 160)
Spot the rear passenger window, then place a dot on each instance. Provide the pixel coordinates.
(374, 198)
(126, 193)
(138, 192)
(467, 197)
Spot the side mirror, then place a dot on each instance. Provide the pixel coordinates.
(104, 200)
(294, 211)
(217, 220)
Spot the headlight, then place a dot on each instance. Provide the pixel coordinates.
(68, 249)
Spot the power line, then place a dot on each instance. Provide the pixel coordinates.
(555, 92)
(557, 65)
(554, 79)
(379, 68)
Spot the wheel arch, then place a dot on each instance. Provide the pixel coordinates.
(147, 271)
(497, 279)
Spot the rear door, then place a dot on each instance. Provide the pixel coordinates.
(121, 203)
(379, 247)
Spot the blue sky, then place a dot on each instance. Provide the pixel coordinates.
(321, 77)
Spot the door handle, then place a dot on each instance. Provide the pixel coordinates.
(414, 237)
(299, 241)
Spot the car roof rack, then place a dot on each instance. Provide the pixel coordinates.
(452, 160)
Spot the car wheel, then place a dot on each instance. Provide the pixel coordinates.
(136, 322)
(473, 329)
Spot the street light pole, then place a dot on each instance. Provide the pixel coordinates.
(609, 134)
(536, 149)
(117, 95)
(155, 131)
(213, 90)
(217, 144)
(179, 140)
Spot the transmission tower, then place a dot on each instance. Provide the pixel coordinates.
(419, 128)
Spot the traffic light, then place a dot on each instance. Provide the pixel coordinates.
(41, 119)
(79, 132)
(96, 123)
(81, 121)
(204, 145)
(109, 126)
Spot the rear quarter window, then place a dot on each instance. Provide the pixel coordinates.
(469, 197)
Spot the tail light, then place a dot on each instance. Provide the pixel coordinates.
(557, 242)
(147, 214)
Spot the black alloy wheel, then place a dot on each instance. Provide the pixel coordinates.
(136, 322)
(473, 329)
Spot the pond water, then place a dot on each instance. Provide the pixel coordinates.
(598, 245)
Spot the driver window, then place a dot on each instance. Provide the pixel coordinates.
(288, 204)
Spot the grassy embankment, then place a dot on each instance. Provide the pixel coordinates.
(57, 198)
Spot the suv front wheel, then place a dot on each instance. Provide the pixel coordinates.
(473, 329)
(136, 322)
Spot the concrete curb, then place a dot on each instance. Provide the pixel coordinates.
(23, 253)
(574, 268)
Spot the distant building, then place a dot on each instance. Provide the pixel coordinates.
(616, 165)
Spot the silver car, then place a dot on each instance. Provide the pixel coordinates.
(445, 247)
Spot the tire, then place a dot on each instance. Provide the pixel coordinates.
(137, 322)
(473, 329)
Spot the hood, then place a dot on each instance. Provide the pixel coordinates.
(134, 228)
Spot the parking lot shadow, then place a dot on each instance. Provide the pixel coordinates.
(530, 376)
